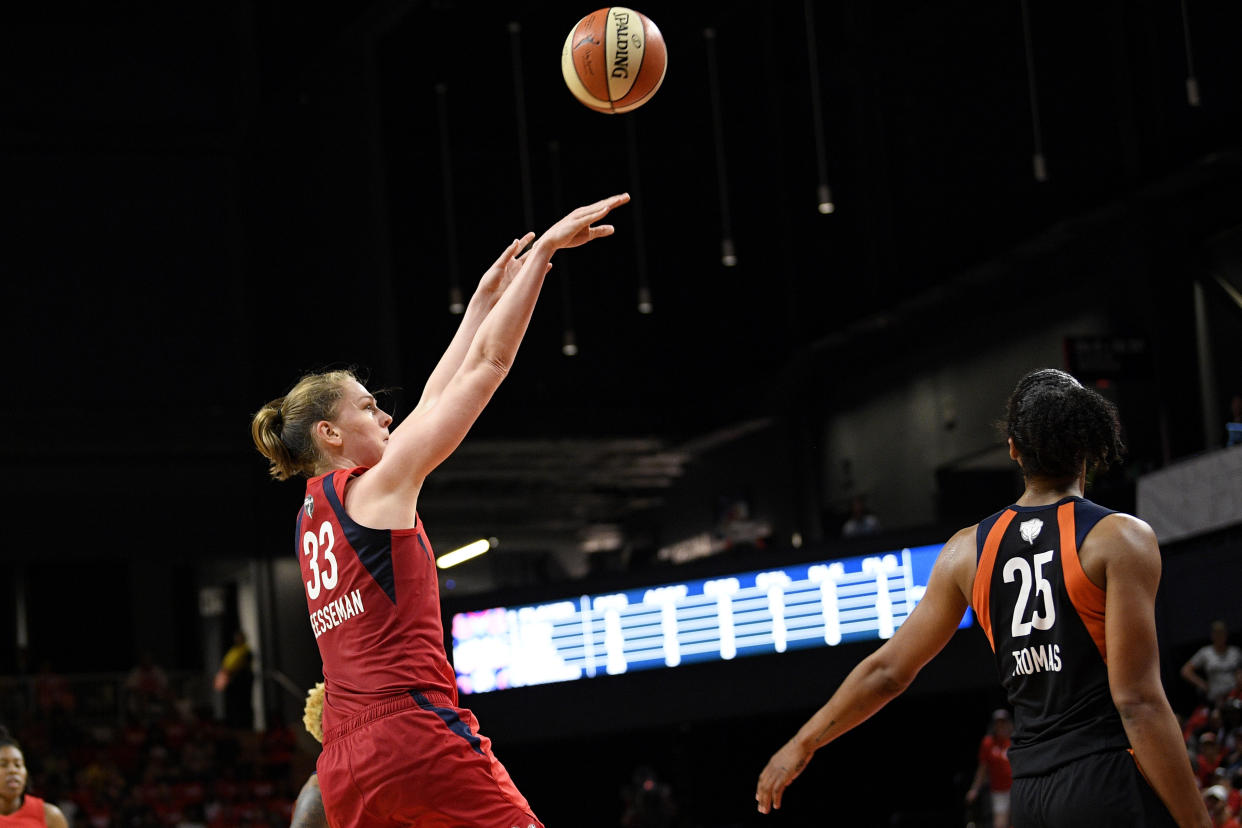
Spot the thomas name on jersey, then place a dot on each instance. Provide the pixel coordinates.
(1045, 657)
(335, 613)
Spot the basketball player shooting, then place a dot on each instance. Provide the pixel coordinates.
(397, 749)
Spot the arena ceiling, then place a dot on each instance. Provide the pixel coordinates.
(208, 199)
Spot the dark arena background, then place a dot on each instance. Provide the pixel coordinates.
(854, 226)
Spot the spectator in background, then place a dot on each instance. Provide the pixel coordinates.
(1233, 797)
(146, 687)
(1231, 718)
(1203, 717)
(648, 801)
(236, 679)
(994, 766)
(1212, 669)
(52, 694)
(1216, 799)
(17, 807)
(1235, 692)
(277, 745)
(1233, 427)
(862, 521)
(1207, 758)
(308, 809)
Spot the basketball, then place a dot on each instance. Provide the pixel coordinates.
(614, 60)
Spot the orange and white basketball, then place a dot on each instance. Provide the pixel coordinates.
(614, 59)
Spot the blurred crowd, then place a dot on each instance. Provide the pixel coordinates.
(142, 750)
(148, 750)
(1213, 728)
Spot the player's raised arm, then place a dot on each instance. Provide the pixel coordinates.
(489, 290)
(883, 675)
(432, 432)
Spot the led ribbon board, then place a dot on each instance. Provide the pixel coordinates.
(753, 613)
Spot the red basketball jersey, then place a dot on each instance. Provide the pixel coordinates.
(374, 603)
(29, 815)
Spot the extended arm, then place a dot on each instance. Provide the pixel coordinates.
(385, 496)
(976, 784)
(490, 288)
(1132, 569)
(1192, 675)
(881, 676)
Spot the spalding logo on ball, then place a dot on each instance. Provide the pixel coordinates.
(614, 59)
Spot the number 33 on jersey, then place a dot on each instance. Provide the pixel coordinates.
(312, 543)
(322, 573)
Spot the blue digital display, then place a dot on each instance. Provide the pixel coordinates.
(752, 613)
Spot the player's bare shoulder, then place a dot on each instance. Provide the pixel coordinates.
(958, 558)
(1127, 529)
(53, 817)
(1119, 539)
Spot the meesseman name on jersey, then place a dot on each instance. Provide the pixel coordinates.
(336, 613)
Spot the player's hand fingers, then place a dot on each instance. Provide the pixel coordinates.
(587, 234)
(769, 796)
(522, 245)
(575, 229)
(592, 213)
(505, 255)
(606, 204)
(767, 793)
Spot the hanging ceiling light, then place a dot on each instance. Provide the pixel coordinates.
(1192, 81)
(823, 193)
(644, 299)
(1038, 163)
(636, 207)
(569, 342)
(519, 108)
(456, 305)
(728, 254)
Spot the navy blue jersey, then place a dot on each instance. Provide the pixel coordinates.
(1045, 621)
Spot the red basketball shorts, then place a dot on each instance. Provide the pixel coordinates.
(417, 759)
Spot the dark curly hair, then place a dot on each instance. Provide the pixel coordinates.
(7, 740)
(1057, 426)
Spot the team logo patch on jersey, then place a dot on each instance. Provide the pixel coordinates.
(1029, 529)
(309, 506)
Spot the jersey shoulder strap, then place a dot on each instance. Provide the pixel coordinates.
(987, 540)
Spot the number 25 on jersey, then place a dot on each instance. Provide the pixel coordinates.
(313, 544)
(1019, 566)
